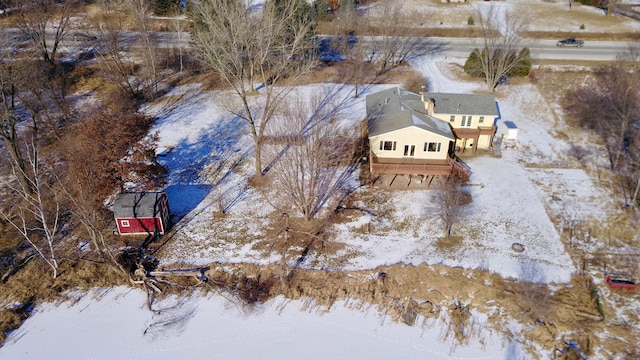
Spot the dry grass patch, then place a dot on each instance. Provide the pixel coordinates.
(34, 284)
(556, 18)
(341, 72)
(411, 293)
(448, 244)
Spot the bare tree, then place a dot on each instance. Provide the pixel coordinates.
(449, 200)
(11, 78)
(357, 70)
(265, 52)
(181, 36)
(150, 71)
(35, 214)
(318, 158)
(36, 17)
(611, 105)
(44, 99)
(620, 87)
(114, 56)
(84, 177)
(501, 50)
(398, 41)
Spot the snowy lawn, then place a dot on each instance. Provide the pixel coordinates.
(113, 324)
(507, 206)
(516, 198)
(509, 202)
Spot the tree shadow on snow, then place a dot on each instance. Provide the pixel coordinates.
(189, 160)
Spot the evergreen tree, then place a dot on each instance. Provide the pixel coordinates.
(166, 7)
(473, 65)
(524, 65)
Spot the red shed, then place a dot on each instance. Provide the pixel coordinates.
(142, 213)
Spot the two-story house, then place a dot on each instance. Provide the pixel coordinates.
(472, 117)
(405, 140)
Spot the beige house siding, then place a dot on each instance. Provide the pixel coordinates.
(457, 120)
(484, 141)
(411, 136)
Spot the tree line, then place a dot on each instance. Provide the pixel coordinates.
(608, 105)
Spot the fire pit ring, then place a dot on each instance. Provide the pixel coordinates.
(517, 247)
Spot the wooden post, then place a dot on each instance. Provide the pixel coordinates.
(392, 179)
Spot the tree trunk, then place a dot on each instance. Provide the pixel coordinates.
(11, 141)
(258, 159)
(635, 193)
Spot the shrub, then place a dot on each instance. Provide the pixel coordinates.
(415, 84)
(470, 21)
(165, 7)
(582, 27)
(473, 65)
(524, 66)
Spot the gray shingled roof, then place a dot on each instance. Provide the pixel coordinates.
(392, 100)
(463, 104)
(140, 205)
(394, 109)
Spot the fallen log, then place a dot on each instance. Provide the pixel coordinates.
(196, 272)
(587, 315)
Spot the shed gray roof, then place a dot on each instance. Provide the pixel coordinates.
(463, 104)
(137, 205)
(394, 109)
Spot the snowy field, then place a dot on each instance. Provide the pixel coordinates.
(114, 324)
(512, 196)
(499, 188)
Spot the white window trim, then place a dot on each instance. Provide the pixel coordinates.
(466, 121)
(125, 223)
(393, 145)
(438, 146)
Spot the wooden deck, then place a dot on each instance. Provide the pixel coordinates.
(410, 166)
(473, 133)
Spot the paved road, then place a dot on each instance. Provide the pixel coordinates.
(543, 49)
(540, 49)
(444, 46)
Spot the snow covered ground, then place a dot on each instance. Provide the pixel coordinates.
(499, 188)
(511, 197)
(113, 324)
(116, 325)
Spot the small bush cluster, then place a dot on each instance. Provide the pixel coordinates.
(415, 84)
(473, 65)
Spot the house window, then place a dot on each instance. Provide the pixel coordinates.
(466, 121)
(452, 118)
(469, 121)
(124, 223)
(432, 146)
(409, 150)
(388, 145)
(481, 120)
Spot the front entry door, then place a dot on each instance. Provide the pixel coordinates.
(409, 150)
